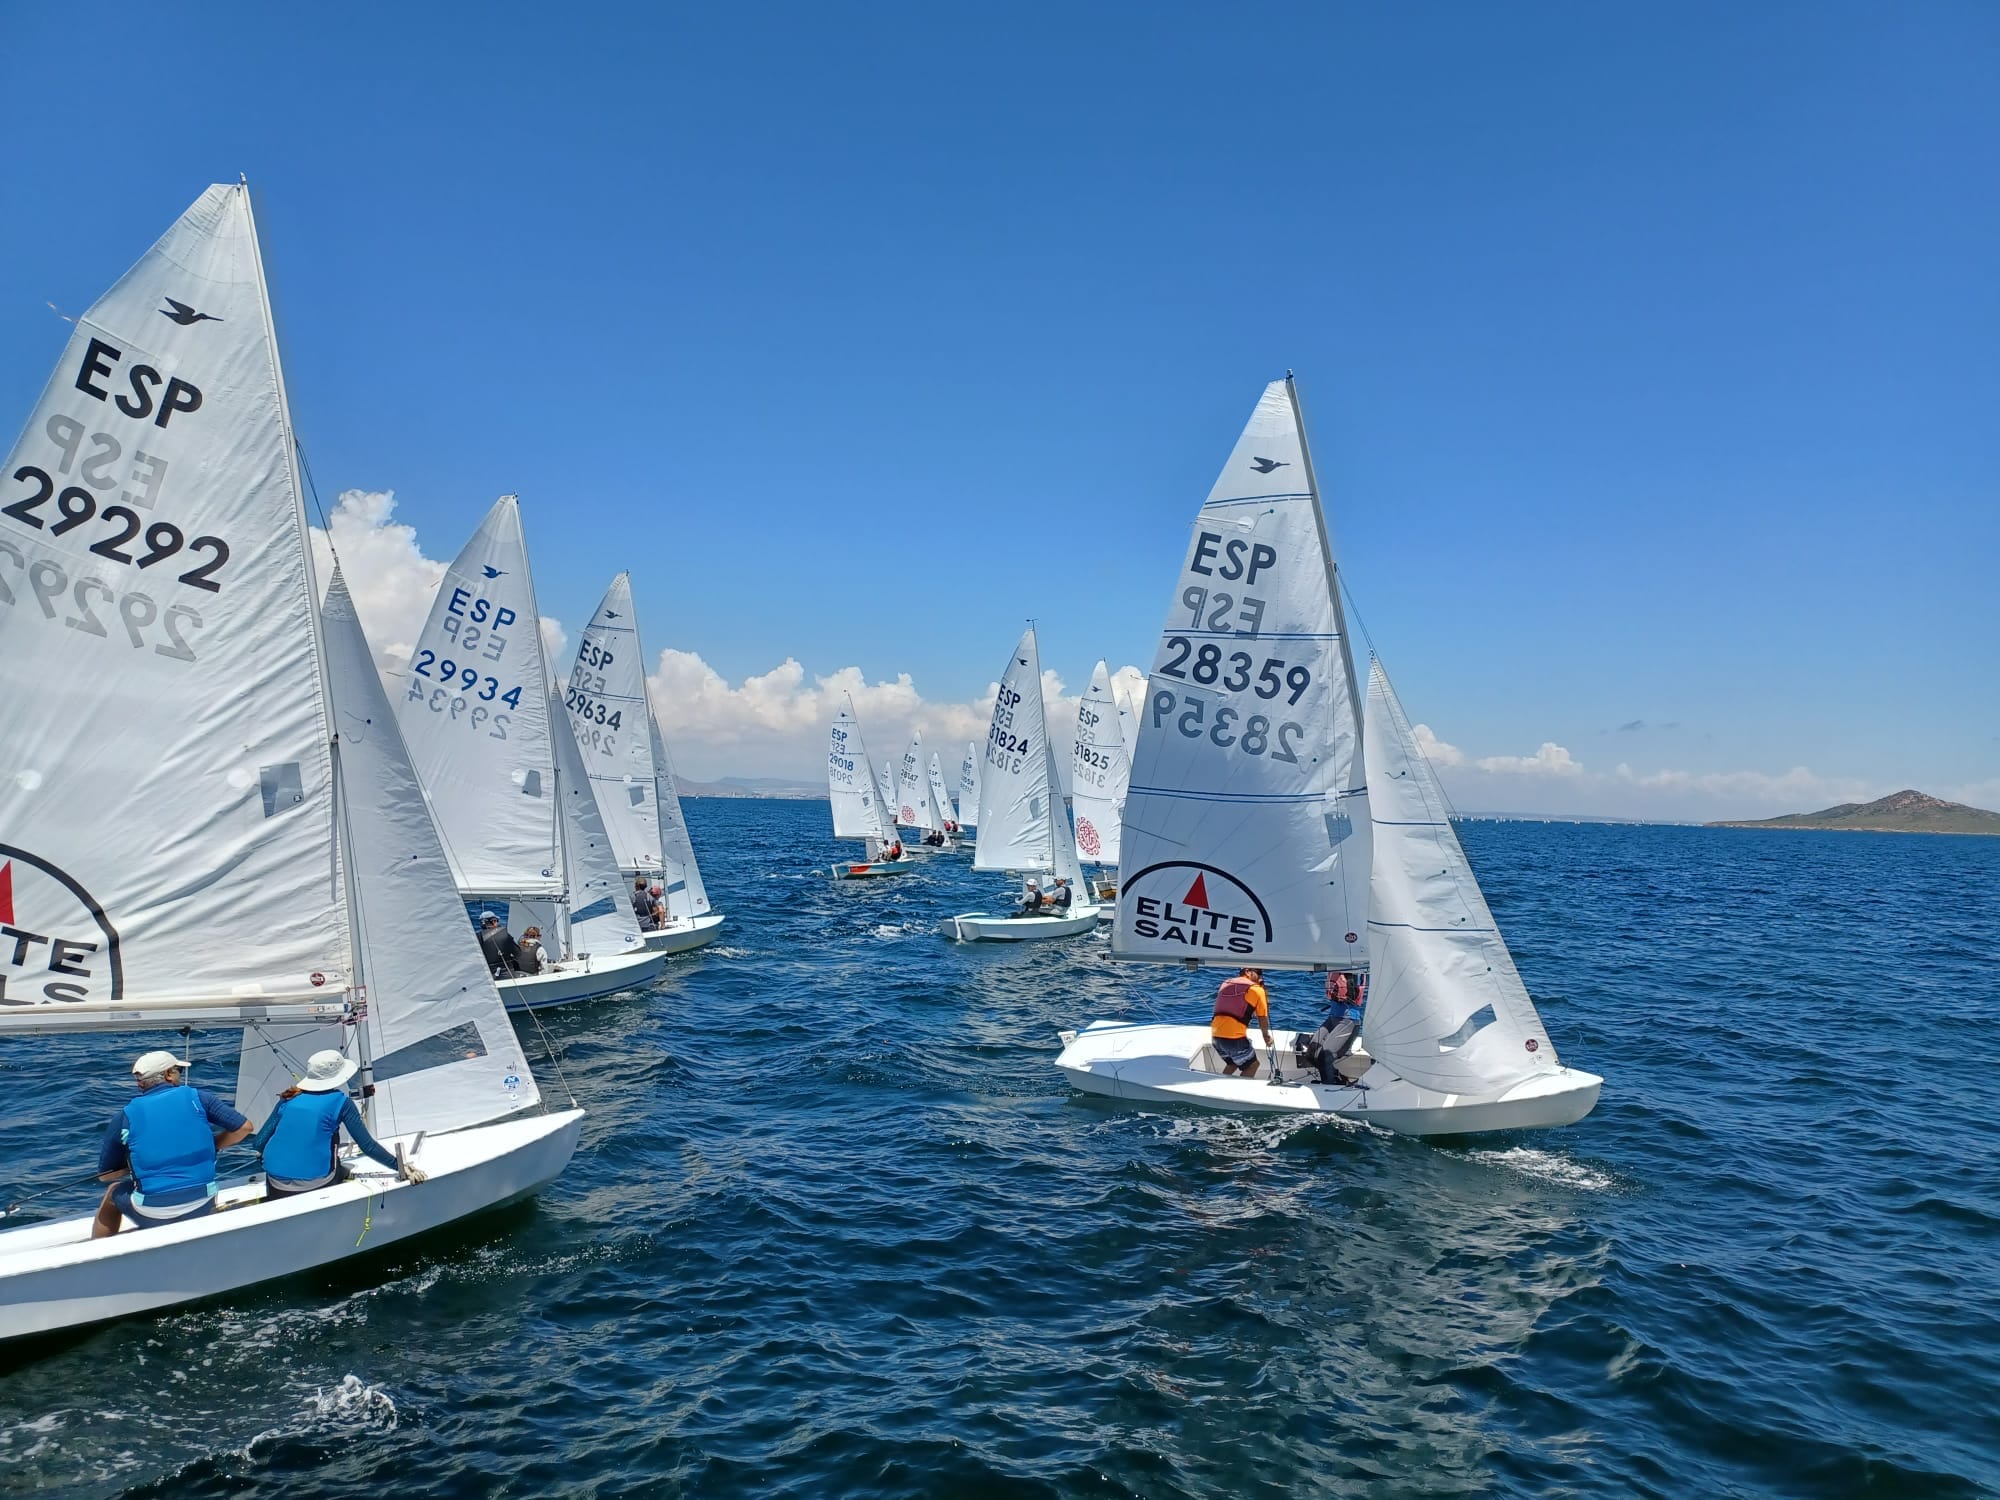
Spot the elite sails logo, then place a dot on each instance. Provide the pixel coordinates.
(1197, 906)
(56, 944)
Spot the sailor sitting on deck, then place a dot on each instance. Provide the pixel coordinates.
(301, 1139)
(1056, 903)
(161, 1149)
(503, 954)
(661, 916)
(534, 957)
(642, 904)
(892, 852)
(1346, 994)
(935, 839)
(1236, 1002)
(1031, 901)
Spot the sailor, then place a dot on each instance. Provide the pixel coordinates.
(935, 839)
(660, 915)
(642, 903)
(534, 957)
(301, 1140)
(1031, 901)
(1236, 1002)
(1346, 994)
(503, 954)
(1057, 901)
(159, 1154)
(892, 852)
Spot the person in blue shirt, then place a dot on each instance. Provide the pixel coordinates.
(159, 1154)
(1346, 996)
(302, 1137)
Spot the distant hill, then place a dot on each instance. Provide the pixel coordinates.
(1899, 812)
(750, 786)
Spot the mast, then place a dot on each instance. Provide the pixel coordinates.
(1326, 553)
(357, 948)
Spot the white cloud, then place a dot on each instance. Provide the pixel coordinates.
(391, 580)
(1436, 751)
(1551, 760)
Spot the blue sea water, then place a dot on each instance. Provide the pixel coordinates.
(838, 1227)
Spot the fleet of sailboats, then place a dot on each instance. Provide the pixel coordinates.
(220, 817)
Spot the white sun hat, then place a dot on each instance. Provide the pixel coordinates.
(155, 1065)
(327, 1071)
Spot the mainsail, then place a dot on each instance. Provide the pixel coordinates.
(167, 798)
(1446, 1006)
(474, 712)
(1246, 828)
(858, 812)
(1101, 771)
(1017, 780)
(913, 793)
(885, 783)
(599, 917)
(968, 788)
(686, 895)
(941, 809)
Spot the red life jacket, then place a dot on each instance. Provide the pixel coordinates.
(1233, 1000)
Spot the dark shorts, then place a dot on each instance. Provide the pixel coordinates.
(121, 1198)
(1234, 1049)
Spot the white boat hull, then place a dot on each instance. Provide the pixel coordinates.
(582, 979)
(1175, 1065)
(865, 871)
(685, 937)
(994, 927)
(54, 1276)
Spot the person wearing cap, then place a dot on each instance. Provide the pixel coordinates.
(159, 1154)
(503, 954)
(1057, 901)
(301, 1140)
(1238, 1001)
(1031, 900)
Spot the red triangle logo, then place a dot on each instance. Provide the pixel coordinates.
(7, 892)
(1197, 893)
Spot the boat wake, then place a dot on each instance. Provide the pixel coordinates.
(1549, 1166)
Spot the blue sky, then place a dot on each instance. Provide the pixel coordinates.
(1650, 356)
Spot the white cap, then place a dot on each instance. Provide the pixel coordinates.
(326, 1071)
(155, 1065)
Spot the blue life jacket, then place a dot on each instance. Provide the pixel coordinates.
(172, 1147)
(301, 1147)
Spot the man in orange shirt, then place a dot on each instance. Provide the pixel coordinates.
(1236, 1002)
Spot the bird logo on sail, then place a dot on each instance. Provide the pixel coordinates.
(184, 315)
(1266, 465)
(493, 572)
(60, 947)
(1197, 907)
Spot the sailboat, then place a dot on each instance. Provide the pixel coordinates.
(914, 807)
(632, 773)
(858, 809)
(941, 804)
(1023, 827)
(968, 795)
(506, 779)
(1100, 771)
(212, 821)
(891, 796)
(1253, 836)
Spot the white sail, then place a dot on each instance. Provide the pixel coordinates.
(913, 805)
(968, 788)
(599, 918)
(1446, 1006)
(1101, 771)
(442, 1051)
(606, 700)
(1246, 830)
(1017, 779)
(942, 811)
(166, 779)
(1128, 731)
(858, 811)
(885, 783)
(1062, 839)
(686, 895)
(474, 711)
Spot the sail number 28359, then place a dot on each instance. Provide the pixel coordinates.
(1229, 728)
